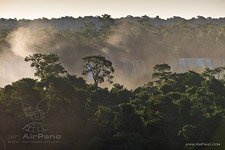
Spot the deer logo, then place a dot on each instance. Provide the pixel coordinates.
(36, 115)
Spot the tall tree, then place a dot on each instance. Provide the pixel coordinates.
(99, 67)
(161, 72)
(46, 65)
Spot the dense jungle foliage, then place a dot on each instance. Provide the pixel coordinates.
(167, 113)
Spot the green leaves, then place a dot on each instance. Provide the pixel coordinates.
(46, 65)
(179, 108)
(99, 67)
(161, 72)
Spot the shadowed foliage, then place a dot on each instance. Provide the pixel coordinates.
(167, 113)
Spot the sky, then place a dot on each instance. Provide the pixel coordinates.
(31, 9)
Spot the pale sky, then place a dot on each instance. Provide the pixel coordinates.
(116, 8)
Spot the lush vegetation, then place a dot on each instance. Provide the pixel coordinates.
(133, 44)
(173, 109)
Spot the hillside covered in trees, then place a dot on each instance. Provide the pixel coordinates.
(172, 112)
(133, 44)
(98, 83)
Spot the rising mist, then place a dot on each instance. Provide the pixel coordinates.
(133, 44)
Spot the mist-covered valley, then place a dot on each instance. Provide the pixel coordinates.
(168, 89)
(133, 44)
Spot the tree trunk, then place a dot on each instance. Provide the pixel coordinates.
(95, 84)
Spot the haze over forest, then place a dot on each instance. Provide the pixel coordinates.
(133, 44)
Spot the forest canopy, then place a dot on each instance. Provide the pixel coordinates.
(168, 113)
(133, 44)
(167, 82)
